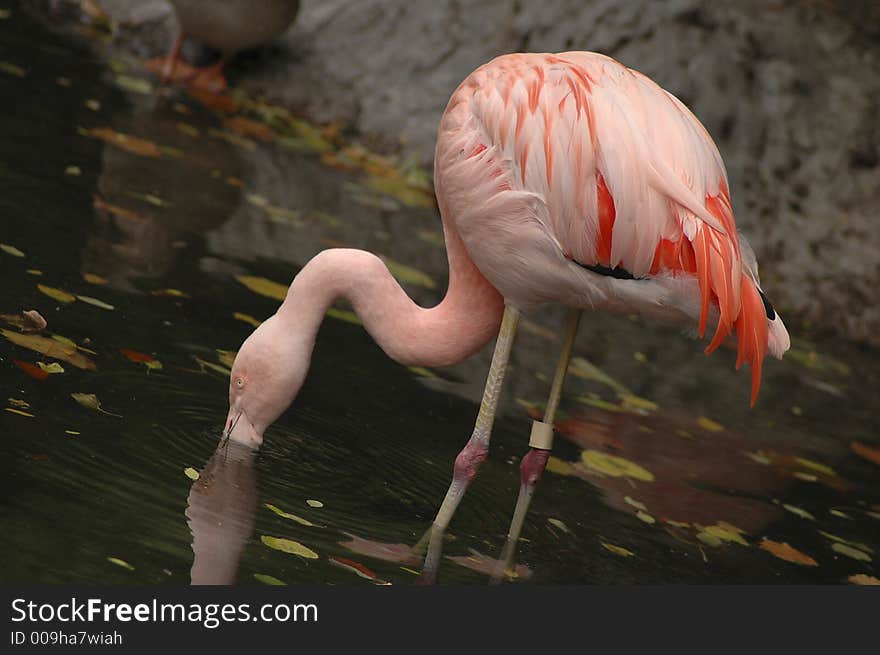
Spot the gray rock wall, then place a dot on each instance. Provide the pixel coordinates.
(789, 89)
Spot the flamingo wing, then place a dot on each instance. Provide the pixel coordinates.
(626, 175)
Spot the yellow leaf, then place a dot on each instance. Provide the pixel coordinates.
(120, 562)
(314, 503)
(289, 546)
(644, 516)
(247, 318)
(263, 286)
(12, 410)
(558, 524)
(863, 579)
(634, 503)
(94, 301)
(422, 371)
(214, 367)
(226, 357)
(816, 466)
(287, 515)
(709, 424)
(637, 402)
(849, 551)
(854, 544)
(614, 466)
(54, 367)
(617, 550)
(268, 579)
(582, 368)
(56, 294)
(11, 250)
(191, 473)
(797, 511)
(721, 531)
(559, 466)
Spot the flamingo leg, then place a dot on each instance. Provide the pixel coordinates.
(535, 461)
(172, 59)
(477, 448)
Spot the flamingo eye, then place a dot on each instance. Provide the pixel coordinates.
(239, 382)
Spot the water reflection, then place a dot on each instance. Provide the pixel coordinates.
(220, 513)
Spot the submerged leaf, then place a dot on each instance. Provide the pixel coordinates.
(268, 579)
(191, 473)
(54, 367)
(127, 142)
(710, 425)
(789, 554)
(247, 318)
(12, 410)
(263, 286)
(57, 294)
(614, 466)
(95, 302)
(287, 515)
(617, 550)
(11, 250)
(849, 551)
(721, 531)
(864, 451)
(90, 401)
(314, 503)
(289, 546)
(557, 523)
(34, 371)
(120, 562)
(863, 579)
(797, 511)
(50, 348)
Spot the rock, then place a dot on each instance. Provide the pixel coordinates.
(790, 90)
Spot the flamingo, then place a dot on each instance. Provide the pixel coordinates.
(228, 26)
(560, 178)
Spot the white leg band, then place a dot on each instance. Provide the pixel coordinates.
(542, 435)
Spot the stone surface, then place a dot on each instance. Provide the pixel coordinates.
(789, 89)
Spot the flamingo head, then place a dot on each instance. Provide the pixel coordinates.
(267, 374)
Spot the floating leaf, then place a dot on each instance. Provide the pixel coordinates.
(95, 302)
(644, 516)
(797, 511)
(93, 104)
(289, 546)
(120, 562)
(90, 401)
(634, 503)
(314, 503)
(11, 250)
(50, 347)
(134, 84)
(191, 473)
(268, 579)
(408, 274)
(249, 128)
(841, 540)
(867, 452)
(12, 69)
(226, 357)
(214, 367)
(863, 579)
(617, 550)
(247, 318)
(721, 531)
(559, 466)
(354, 567)
(839, 514)
(12, 410)
(614, 466)
(136, 356)
(72, 432)
(263, 286)
(288, 515)
(54, 367)
(816, 466)
(631, 401)
(72, 170)
(709, 424)
(127, 142)
(787, 553)
(34, 371)
(172, 293)
(21, 404)
(581, 368)
(849, 551)
(557, 523)
(56, 294)
(421, 371)
(594, 401)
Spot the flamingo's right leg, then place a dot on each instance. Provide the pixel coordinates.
(477, 448)
(165, 66)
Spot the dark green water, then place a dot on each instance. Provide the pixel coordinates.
(372, 441)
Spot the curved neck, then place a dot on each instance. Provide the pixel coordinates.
(464, 321)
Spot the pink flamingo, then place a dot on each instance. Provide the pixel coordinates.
(561, 178)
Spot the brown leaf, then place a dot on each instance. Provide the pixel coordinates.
(127, 142)
(34, 371)
(786, 552)
(869, 453)
(250, 128)
(34, 320)
(50, 348)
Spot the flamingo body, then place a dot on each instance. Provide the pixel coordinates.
(573, 179)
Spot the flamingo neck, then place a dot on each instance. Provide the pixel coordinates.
(462, 323)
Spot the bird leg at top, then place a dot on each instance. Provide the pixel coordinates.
(475, 451)
(535, 461)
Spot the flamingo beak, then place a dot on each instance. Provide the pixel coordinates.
(240, 429)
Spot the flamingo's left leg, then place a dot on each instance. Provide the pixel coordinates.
(535, 461)
(477, 448)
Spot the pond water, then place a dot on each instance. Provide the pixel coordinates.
(144, 231)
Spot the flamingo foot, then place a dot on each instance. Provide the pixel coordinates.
(210, 79)
(532, 467)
